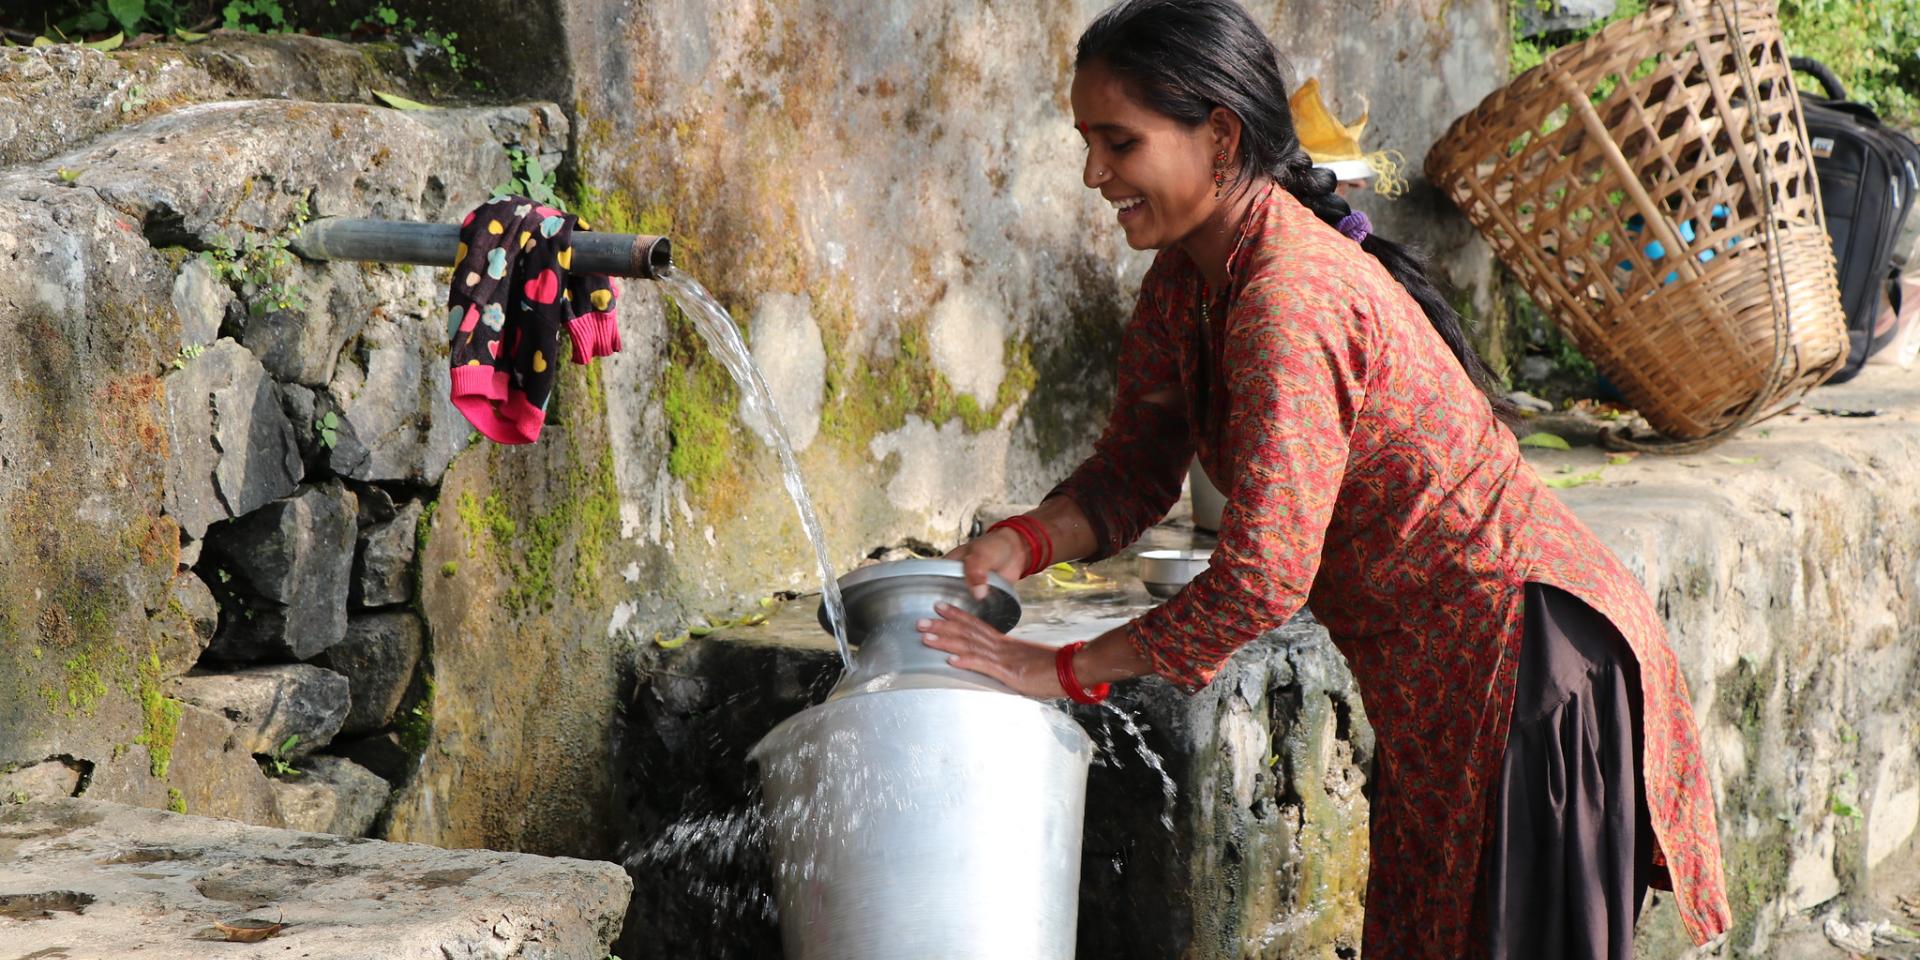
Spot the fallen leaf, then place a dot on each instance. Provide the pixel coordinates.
(1068, 577)
(1548, 440)
(1574, 480)
(398, 102)
(188, 35)
(249, 931)
(1621, 459)
(110, 43)
(660, 640)
(1737, 461)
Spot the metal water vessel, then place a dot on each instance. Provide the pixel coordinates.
(924, 811)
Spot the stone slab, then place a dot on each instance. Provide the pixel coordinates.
(270, 704)
(331, 795)
(152, 884)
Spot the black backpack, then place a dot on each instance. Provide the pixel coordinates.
(1868, 176)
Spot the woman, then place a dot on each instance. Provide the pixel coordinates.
(1516, 674)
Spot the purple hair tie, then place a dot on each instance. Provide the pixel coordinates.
(1356, 226)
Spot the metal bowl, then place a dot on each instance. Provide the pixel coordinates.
(1164, 572)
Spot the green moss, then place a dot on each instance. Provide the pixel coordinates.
(699, 399)
(176, 801)
(160, 717)
(868, 396)
(486, 519)
(449, 568)
(577, 522)
(84, 684)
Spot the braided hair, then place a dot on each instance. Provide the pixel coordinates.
(1183, 58)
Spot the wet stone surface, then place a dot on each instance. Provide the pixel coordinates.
(87, 879)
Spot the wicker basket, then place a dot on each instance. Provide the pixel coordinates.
(1586, 172)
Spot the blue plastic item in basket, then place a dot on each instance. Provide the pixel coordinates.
(1656, 251)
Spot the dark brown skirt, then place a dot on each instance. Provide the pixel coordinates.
(1569, 860)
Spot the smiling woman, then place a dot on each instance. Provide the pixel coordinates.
(1538, 763)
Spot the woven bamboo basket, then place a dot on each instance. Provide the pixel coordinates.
(1587, 172)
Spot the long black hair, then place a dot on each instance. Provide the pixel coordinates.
(1183, 58)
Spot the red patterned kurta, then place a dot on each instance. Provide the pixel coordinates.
(1367, 476)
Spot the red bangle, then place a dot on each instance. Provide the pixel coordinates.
(1039, 544)
(1063, 667)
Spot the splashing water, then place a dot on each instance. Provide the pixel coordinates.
(717, 328)
(1149, 757)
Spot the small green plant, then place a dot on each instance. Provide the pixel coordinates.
(530, 179)
(66, 175)
(278, 763)
(384, 19)
(328, 429)
(186, 355)
(176, 801)
(135, 99)
(449, 568)
(263, 270)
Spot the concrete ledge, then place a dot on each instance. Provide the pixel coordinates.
(82, 879)
(1786, 565)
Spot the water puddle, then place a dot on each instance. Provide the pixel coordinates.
(717, 328)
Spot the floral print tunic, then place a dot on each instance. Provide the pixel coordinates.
(1367, 476)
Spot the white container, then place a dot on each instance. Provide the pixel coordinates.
(1208, 502)
(924, 811)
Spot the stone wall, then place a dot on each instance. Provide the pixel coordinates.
(215, 456)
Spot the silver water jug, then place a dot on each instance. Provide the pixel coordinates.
(924, 811)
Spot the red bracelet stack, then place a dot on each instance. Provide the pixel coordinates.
(1063, 667)
(1039, 544)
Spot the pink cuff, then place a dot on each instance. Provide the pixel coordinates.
(480, 394)
(594, 335)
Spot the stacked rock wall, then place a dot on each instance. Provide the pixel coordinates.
(215, 456)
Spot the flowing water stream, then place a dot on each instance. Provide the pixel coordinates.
(717, 328)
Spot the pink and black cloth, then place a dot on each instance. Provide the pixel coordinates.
(513, 292)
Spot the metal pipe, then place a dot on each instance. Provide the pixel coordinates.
(436, 244)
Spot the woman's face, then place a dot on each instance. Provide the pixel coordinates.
(1156, 171)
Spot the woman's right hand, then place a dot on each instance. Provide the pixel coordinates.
(997, 551)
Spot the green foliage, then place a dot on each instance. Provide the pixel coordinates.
(176, 801)
(1525, 54)
(416, 725)
(160, 717)
(530, 180)
(72, 20)
(1873, 45)
(255, 16)
(262, 270)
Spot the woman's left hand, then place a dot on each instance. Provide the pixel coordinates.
(972, 644)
